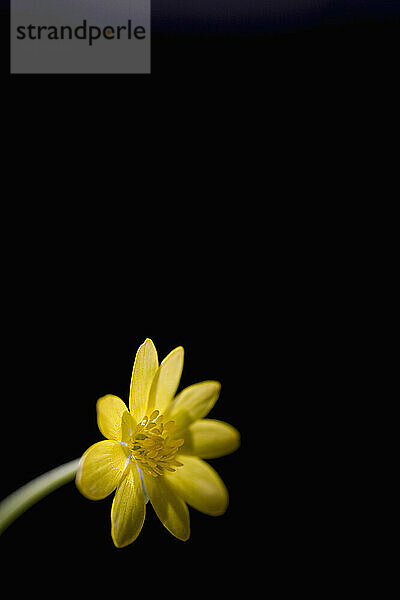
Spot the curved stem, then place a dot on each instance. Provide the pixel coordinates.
(19, 501)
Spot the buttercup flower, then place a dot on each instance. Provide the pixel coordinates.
(156, 449)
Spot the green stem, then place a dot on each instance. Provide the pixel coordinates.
(19, 501)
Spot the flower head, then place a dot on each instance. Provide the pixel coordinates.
(155, 450)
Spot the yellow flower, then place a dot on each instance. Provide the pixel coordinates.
(155, 450)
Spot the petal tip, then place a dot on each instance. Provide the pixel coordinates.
(185, 538)
(216, 384)
(147, 342)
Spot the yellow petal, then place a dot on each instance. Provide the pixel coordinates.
(194, 402)
(166, 381)
(100, 469)
(170, 508)
(127, 427)
(128, 508)
(198, 484)
(209, 438)
(110, 410)
(144, 369)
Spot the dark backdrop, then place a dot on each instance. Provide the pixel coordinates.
(72, 320)
(264, 37)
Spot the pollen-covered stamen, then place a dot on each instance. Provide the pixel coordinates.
(151, 446)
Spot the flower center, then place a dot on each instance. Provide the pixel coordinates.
(151, 446)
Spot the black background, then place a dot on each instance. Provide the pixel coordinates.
(240, 132)
(264, 38)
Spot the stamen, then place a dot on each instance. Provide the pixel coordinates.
(154, 415)
(151, 447)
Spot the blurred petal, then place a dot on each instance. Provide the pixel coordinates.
(128, 508)
(166, 381)
(144, 370)
(209, 438)
(194, 402)
(170, 508)
(110, 410)
(100, 469)
(198, 484)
